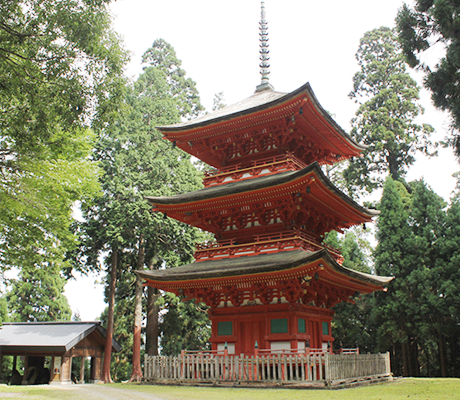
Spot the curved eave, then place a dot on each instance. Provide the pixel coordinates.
(251, 105)
(296, 263)
(252, 190)
(259, 107)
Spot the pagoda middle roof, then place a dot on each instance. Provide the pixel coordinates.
(262, 267)
(260, 189)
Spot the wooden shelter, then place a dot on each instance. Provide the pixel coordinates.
(48, 348)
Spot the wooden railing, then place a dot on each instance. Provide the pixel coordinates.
(288, 240)
(273, 165)
(323, 367)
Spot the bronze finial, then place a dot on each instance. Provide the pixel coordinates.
(264, 51)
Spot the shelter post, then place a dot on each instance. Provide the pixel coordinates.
(82, 370)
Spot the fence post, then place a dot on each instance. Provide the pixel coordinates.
(308, 357)
(280, 368)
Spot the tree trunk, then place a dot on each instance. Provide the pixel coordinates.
(136, 375)
(152, 331)
(105, 377)
(442, 353)
(405, 359)
(453, 352)
(415, 366)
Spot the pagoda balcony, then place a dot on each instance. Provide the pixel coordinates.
(263, 244)
(263, 167)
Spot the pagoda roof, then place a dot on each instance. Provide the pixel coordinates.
(264, 267)
(258, 101)
(309, 184)
(268, 107)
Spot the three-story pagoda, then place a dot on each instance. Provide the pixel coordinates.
(267, 279)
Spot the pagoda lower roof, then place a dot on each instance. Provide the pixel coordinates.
(306, 186)
(265, 267)
(208, 137)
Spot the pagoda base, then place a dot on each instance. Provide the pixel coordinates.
(273, 327)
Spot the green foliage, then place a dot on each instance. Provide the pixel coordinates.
(162, 56)
(36, 205)
(3, 309)
(355, 248)
(417, 317)
(60, 64)
(38, 293)
(419, 28)
(385, 118)
(76, 368)
(335, 174)
(185, 326)
(137, 162)
(60, 74)
(351, 324)
(218, 102)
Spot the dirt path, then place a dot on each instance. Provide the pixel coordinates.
(104, 392)
(79, 392)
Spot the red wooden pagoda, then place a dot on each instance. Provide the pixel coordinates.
(268, 279)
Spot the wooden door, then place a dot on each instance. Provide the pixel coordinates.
(249, 334)
(315, 335)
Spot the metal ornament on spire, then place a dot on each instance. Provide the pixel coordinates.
(264, 52)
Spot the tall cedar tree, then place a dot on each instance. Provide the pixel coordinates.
(138, 163)
(449, 284)
(428, 222)
(38, 292)
(395, 256)
(60, 73)
(428, 23)
(384, 122)
(415, 316)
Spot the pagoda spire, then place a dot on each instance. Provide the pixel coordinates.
(264, 52)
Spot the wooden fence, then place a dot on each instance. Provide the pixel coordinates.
(285, 368)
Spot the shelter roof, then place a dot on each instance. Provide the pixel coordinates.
(48, 336)
(295, 263)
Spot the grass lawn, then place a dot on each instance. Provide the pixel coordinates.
(410, 388)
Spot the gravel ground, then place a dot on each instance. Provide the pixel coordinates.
(104, 392)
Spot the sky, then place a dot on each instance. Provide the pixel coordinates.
(310, 41)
